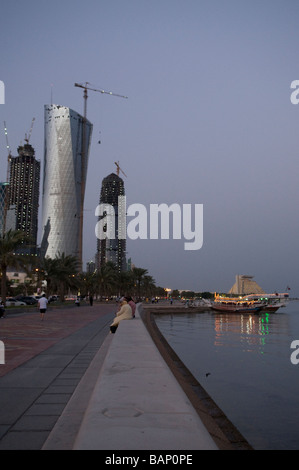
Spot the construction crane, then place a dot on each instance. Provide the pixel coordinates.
(29, 135)
(86, 87)
(85, 95)
(9, 152)
(7, 190)
(6, 136)
(118, 169)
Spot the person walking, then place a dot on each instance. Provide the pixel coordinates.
(42, 303)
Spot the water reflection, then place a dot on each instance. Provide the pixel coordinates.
(246, 330)
(252, 378)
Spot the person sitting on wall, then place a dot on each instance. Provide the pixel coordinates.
(132, 305)
(125, 313)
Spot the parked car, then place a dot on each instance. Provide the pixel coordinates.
(53, 298)
(27, 299)
(12, 302)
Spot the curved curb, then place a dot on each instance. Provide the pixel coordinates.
(224, 433)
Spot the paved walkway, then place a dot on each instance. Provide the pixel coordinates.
(137, 402)
(45, 361)
(69, 384)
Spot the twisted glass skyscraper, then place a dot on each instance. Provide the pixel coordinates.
(64, 180)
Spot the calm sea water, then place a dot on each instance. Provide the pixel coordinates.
(251, 376)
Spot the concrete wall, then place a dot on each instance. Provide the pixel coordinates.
(137, 403)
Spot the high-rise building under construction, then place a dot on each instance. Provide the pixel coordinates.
(108, 248)
(7, 214)
(67, 140)
(23, 195)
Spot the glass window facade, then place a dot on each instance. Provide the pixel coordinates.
(23, 193)
(64, 174)
(113, 250)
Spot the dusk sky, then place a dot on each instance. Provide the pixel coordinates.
(208, 120)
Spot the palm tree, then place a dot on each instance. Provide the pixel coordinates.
(49, 267)
(67, 269)
(148, 286)
(124, 283)
(9, 243)
(87, 283)
(61, 274)
(138, 275)
(106, 277)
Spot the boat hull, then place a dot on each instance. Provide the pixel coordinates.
(270, 309)
(235, 309)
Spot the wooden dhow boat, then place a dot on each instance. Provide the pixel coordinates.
(272, 302)
(252, 303)
(234, 305)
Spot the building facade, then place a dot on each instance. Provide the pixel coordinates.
(23, 196)
(64, 180)
(3, 209)
(112, 249)
(245, 285)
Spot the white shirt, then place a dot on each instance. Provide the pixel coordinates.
(43, 302)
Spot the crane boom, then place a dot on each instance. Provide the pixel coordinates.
(7, 191)
(7, 144)
(83, 157)
(9, 153)
(29, 135)
(119, 169)
(85, 87)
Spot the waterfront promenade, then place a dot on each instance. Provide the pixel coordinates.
(69, 384)
(45, 362)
